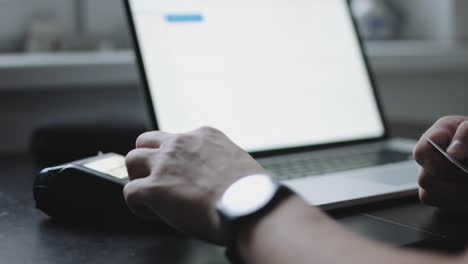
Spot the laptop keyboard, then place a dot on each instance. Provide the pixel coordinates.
(309, 164)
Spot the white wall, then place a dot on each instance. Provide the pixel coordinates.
(428, 19)
(424, 97)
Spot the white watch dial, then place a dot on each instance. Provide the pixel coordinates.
(247, 195)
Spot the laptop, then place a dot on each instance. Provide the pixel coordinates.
(286, 80)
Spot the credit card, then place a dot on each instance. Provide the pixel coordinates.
(443, 152)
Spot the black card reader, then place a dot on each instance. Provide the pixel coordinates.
(89, 190)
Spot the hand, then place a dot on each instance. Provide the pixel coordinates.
(442, 184)
(180, 177)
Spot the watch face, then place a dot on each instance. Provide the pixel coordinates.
(247, 196)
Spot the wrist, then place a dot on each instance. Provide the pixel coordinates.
(246, 200)
(269, 231)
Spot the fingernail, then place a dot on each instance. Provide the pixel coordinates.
(457, 150)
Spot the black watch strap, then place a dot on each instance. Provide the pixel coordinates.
(232, 252)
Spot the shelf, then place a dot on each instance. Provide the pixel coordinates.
(61, 70)
(416, 56)
(106, 69)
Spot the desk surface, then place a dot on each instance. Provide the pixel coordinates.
(28, 236)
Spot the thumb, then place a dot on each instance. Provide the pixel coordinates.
(458, 148)
(137, 195)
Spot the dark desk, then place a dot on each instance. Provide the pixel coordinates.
(27, 236)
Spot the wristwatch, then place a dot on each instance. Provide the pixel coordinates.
(248, 198)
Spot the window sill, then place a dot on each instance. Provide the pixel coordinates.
(105, 69)
(413, 57)
(62, 70)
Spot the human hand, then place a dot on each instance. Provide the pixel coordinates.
(180, 177)
(442, 184)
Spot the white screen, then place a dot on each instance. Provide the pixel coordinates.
(269, 73)
(111, 164)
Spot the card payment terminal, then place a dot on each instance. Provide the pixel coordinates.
(88, 190)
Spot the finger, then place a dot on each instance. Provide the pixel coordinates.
(137, 195)
(458, 148)
(429, 157)
(441, 168)
(138, 163)
(450, 188)
(153, 139)
(434, 199)
(442, 199)
(427, 199)
(441, 133)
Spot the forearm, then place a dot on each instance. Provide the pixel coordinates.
(296, 233)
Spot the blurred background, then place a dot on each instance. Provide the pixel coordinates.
(71, 60)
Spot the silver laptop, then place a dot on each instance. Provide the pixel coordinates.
(286, 80)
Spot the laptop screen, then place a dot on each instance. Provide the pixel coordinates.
(271, 74)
